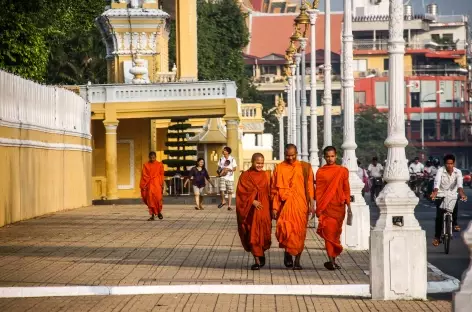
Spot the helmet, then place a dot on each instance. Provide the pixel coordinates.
(428, 163)
(436, 162)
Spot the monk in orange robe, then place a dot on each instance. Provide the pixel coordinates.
(292, 203)
(152, 184)
(253, 210)
(333, 194)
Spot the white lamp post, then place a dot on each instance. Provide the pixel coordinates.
(422, 117)
(327, 97)
(314, 160)
(356, 236)
(398, 244)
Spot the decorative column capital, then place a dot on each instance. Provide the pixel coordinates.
(232, 123)
(110, 126)
(302, 43)
(313, 13)
(298, 58)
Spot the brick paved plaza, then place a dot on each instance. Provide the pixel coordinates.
(113, 246)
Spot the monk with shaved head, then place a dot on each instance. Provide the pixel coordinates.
(253, 210)
(333, 195)
(292, 203)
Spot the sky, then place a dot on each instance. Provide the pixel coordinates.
(445, 7)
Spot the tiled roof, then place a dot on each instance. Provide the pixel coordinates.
(270, 33)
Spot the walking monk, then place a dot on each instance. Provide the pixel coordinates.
(152, 183)
(292, 202)
(332, 196)
(253, 210)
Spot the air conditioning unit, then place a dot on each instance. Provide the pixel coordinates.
(374, 71)
(362, 74)
(385, 73)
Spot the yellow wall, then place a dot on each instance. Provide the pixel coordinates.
(37, 181)
(247, 154)
(135, 130)
(377, 61)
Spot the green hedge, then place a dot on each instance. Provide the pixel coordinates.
(177, 144)
(176, 153)
(174, 163)
(182, 135)
(181, 127)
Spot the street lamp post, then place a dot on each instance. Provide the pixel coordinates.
(298, 138)
(304, 20)
(398, 266)
(356, 236)
(293, 112)
(327, 97)
(422, 117)
(314, 160)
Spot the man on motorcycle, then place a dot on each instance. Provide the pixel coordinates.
(375, 171)
(447, 184)
(416, 167)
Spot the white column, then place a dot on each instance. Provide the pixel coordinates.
(463, 299)
(288, 90)
(327, 98)
(356, 236)
(281, 136)
(293, 68)
(304, 122)
(398, 244)
(314, 160)
(298, 137)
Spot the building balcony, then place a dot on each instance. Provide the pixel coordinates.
(251, 118)
(275, 83)
(382, 44)
(176, 91)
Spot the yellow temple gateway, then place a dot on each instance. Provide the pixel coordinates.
(131, 114)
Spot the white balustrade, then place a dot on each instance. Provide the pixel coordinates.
(159, 92)
(27, 104)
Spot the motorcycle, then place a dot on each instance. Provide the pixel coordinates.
(415, 183)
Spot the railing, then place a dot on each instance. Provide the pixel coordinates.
(382, 44)
(438, 70)
(175, 186)
(251, 111)
(40, 107)
(166, 77)
(159, 92)
(281, 80)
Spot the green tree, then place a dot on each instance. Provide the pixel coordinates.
(371, 133)
(52, 40)
(177, 141)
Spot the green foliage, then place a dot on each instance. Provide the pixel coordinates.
(179, 164)
(371, 133)
(180, 126)
(176, 153)
(53, 41)
(180, 134)
(177, 144)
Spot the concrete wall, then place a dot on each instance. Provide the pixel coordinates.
(45, 152)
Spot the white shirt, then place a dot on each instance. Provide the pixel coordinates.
(416, 167)
(447, 185)
(361, 173)
(445, 182)
(375, 171)
(232, 165)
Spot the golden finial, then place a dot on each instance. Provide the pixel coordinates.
(291, 50)
(297, 34)
(316, 3)
(280, 105)
(303, 18)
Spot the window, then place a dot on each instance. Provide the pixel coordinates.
(386, 64)
(359, 98)
(436, 38)
(381, 94)
(360, 65)
(448, 37)
(269, 70)
(415, 99)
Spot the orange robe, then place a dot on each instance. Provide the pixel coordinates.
(292, 188)
(152, 182)
(332, 195)
(254, 226)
